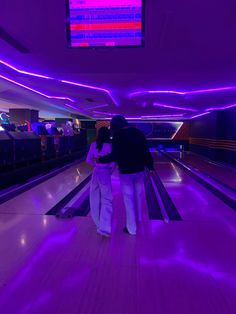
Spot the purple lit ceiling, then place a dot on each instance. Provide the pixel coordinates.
(182, 72)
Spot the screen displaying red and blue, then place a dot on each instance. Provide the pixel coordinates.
(101, 23)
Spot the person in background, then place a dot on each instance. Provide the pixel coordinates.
(100, 188)
(130, 152)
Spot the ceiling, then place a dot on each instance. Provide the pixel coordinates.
(182, 71)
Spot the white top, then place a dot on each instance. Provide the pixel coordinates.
(94, 153)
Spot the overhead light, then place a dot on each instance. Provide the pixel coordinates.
(98, 106)
(162, 116)
(35, 91)
(199, 115)
(173, 107)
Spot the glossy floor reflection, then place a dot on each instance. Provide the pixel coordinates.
(64, 266)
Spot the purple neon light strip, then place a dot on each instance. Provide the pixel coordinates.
(91, 87)
(84, 85)
(210, 90)
(193, 92)
(63, 81)
(98, 106)
(173, 107)
(70, 106)
(163, 116)
(157, 117)
(155, 92)
(34, 90)
(105, 113)
(178, 128)
(127, 118)
(199, 115)
(24, 72)
(221, 108)
(77, 109)
(51, 78)
(222, 89)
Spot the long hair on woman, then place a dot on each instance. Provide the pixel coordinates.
(103, 137)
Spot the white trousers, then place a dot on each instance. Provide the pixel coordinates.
(101, 198)
(131, 186)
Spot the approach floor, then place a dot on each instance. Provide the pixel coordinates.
(64, 266)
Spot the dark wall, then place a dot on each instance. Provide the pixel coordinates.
(204, 127)
(227, 124)
(22, 115)
(90, 127)
(214, 135)
(61, 121)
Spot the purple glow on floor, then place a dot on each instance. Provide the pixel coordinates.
(181, 267)
(56, 240)
(196, 266)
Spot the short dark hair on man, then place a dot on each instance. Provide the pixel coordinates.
(118, 122)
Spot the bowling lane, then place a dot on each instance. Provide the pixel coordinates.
(225, 174)
(67, 266)
(193, 201)
(41, 198)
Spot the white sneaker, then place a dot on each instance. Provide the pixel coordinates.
(103, 233)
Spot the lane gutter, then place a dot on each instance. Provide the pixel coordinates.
(9, 194)
(63, 208)
(166, 206)
(222, 191)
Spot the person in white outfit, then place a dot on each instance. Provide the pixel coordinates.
(130, 151)
(100, 187)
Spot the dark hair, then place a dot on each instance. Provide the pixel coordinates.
(118, 122)
(103, 137)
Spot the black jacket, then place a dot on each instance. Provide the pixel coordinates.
(130, 151)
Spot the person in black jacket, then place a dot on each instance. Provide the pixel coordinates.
(130, 152)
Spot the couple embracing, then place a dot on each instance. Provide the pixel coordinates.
(128, 149)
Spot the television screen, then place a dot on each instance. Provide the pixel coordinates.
(105, 23)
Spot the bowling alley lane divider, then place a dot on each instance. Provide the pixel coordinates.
(16, 190)
(222, 191)
(160, 204)
(154, 210)
(63, 209)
